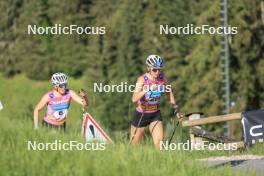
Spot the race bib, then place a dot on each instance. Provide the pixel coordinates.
(61, 114)
(153, 96)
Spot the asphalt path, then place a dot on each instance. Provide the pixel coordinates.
(239, 163)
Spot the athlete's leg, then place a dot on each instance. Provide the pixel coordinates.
(156, 129)
(136, 134)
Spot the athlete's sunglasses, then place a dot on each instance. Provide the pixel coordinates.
(62, 86)
(155, 70)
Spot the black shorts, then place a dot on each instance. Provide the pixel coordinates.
(146, 119)
(51, 126)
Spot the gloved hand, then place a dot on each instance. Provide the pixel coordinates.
(175, 109)
(177, 113)
(84, 97)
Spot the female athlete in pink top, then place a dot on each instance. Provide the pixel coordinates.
(58, 102)
(149, 88)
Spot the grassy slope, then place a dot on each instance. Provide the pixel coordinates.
(19, 95)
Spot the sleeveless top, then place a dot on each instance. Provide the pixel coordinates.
(57, 108)
(150, 102)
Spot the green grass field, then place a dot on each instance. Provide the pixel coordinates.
(19, 95)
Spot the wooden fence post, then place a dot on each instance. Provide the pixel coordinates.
(195, 141)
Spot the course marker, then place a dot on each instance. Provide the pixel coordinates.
(92, 131)
(1, 106)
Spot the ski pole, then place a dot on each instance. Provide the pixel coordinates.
(135, 132)
(174, 131)
(175, 126)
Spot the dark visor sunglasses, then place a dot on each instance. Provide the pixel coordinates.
(155, 70)
(63, 86)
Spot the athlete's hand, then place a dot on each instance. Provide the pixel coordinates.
(82, 93)
(177, 113)
(175, 109)
(84, 97)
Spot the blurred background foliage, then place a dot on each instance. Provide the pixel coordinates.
(132, 33)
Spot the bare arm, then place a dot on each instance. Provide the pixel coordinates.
(39, 106)
(138, 92)
(81, 100)
(172, 101)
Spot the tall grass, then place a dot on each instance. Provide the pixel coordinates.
(19, 96)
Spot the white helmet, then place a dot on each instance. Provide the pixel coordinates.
(154, 61)
(59, 78)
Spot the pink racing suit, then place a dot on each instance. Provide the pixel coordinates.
(150, 102)
(57, 108)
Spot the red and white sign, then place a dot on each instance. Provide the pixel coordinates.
(92, 131)
(1, 106)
